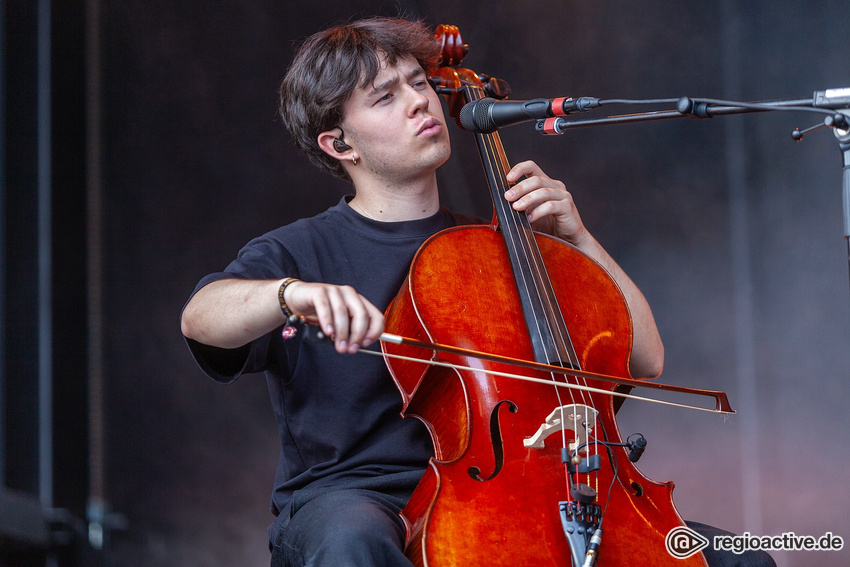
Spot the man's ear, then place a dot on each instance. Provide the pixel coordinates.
(332, 143)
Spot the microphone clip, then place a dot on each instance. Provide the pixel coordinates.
(636, 447)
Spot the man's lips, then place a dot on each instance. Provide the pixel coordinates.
(429, 127)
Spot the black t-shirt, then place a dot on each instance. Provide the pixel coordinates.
(338, 415)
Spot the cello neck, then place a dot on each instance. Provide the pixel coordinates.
(548, 331)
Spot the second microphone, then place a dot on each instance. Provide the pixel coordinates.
(486, 115)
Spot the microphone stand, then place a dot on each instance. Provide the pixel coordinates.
(834, 103)
(843, 137)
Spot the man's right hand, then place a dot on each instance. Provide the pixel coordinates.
(233, 312)
(341, 313)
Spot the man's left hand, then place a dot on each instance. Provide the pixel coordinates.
(546, 201)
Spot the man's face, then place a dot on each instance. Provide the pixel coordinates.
(396, 124)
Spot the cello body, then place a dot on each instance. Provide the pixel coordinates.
(512, 518)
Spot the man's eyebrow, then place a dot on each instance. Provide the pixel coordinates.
(415, 72)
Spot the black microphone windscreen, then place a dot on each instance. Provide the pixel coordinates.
(475, 116)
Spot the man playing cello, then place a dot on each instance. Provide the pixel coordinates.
(357, 101)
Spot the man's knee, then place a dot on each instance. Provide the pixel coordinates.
(344, 528)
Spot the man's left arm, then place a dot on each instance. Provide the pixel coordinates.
(551, 210)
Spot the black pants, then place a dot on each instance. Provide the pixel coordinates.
(348, 528)
(343, 528)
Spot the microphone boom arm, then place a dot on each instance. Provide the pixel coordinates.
(834, 103)
(698, 108)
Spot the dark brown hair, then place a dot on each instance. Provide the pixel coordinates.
(331, 64)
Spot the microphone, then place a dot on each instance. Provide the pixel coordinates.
(636, 448)
(486, 115)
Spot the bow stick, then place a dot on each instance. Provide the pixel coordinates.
(722, 405)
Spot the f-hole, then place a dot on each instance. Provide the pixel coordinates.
(495, 441)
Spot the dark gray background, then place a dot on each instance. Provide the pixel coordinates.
(196, 163)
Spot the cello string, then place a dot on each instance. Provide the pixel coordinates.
(537, 285)
(536, 281)
(515, 227)
(533, 261)
(542, 285)
(496, 165)
(560, 329)
(557, 330)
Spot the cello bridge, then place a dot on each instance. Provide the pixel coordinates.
(578, 418)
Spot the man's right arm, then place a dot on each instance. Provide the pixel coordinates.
(230, 313)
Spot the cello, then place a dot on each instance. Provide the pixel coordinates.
(531, 472)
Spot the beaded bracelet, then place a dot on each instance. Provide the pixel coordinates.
(287, 312)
